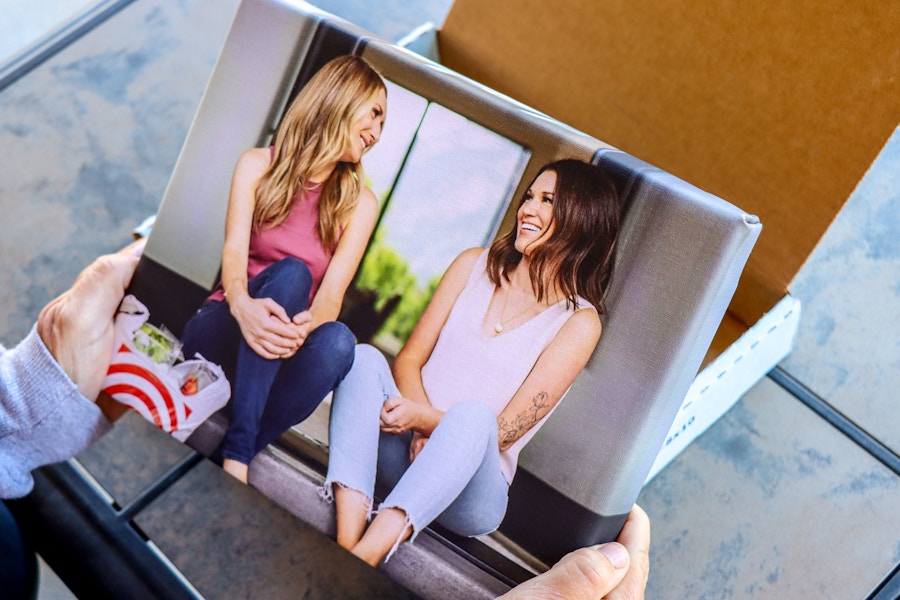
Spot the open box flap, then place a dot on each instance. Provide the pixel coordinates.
(779, 110)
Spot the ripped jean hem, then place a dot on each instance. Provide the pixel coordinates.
(326, 493)
(408, 524)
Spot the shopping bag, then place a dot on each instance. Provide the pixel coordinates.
(148, 374)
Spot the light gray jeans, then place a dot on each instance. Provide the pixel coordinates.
(456, 479)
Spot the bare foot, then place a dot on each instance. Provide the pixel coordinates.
(236, 469)
(388, 529)
(352, 508)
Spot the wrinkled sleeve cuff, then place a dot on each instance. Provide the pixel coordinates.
(43, 417)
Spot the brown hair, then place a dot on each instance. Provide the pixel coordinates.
(579, 255)
(315, 133)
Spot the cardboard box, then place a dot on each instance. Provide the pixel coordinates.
(779, 109)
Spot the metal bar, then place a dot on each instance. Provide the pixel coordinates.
(154, 490)
(52, 44)
(80, 536)
(837, 419)
(889, 588)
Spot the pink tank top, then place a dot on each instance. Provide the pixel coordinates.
(468, 365)
(296, 237)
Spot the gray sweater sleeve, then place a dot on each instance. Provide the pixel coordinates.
(43, 417)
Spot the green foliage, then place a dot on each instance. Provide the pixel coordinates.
(384, 271)
(387, 273)
(401, 322)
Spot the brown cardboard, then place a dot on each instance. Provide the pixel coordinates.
(777, 107)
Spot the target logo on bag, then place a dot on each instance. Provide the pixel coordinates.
(130, 382)
(148, 374)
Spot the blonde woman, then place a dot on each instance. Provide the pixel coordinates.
(298, 221)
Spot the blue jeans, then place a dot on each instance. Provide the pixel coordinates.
(270, 395)
(18, 565)
(456, 479)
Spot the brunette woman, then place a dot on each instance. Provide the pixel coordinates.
(506, 333)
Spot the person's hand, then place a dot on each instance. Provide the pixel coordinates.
(615, 571)
(78, 326)
(417, 445)
(266, 327)
(303, 325)
(399, 415)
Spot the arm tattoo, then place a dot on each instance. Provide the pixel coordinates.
(510, 431)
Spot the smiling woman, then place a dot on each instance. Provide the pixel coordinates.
(535, 215)
(506, 333)
(297, 225)
(559, 235)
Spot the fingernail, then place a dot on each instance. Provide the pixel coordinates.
(616, 553)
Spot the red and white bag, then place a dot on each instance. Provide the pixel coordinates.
(147, 375)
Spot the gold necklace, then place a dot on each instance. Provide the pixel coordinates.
(498, 326)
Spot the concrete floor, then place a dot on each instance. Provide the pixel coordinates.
(772, 501)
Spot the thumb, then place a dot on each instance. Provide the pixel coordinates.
(302, 317)
(276, 310)
(390, 404)
(616, 553)
(586, 573)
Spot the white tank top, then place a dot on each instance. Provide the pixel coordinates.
(466, 364)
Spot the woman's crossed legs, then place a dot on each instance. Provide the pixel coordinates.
(270, 396)
(456, 479)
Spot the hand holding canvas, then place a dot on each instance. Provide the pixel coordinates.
(77, 326)
(614, 571)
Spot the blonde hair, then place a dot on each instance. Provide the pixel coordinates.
(313, 135)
